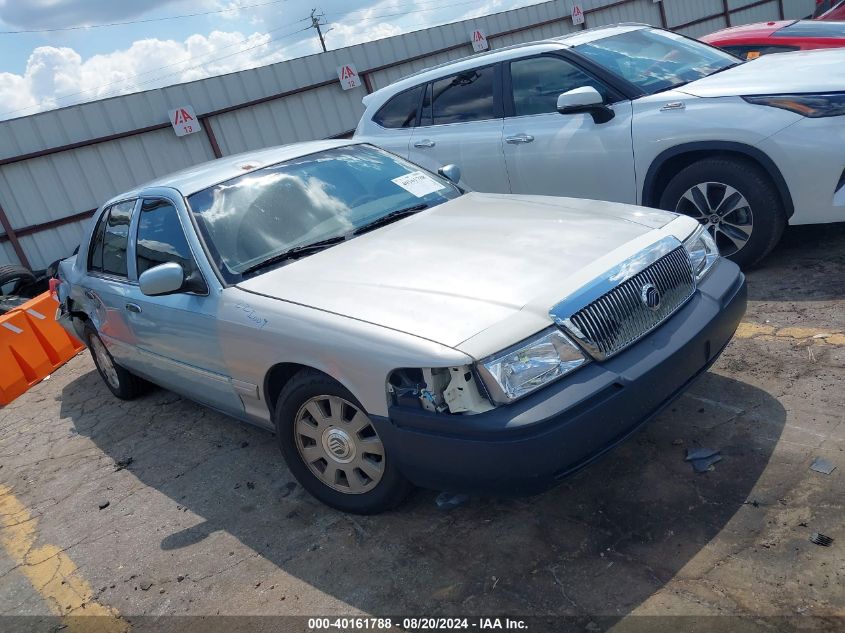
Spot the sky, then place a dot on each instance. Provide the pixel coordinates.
(53, 53)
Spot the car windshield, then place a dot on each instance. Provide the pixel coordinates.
(656, 60)
(320, 197)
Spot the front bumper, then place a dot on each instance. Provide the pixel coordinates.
(527, 446)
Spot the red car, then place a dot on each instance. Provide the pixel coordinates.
(830, 10)
(752, 40)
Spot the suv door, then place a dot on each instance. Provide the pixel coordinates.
(461, 123)
(564, 155)
(176, 334)
(107, 285)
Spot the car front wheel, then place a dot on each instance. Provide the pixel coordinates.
(737, 202)
(332, 447)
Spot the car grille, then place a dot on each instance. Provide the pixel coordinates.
(621, 317)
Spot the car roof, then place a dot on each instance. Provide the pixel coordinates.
(759, 29)
(198, 177)
(492, 57)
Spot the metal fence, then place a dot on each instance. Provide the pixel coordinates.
(57, 167)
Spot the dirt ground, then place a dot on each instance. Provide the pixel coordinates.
(203, 517)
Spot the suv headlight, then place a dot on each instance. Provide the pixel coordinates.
(529, 365)
(813, 106)
(702, 251)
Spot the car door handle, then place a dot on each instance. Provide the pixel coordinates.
(93, 296)
(519, 138)
(133, 307)
(425, 144)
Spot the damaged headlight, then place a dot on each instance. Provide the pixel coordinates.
(702, 251)
(529, 365)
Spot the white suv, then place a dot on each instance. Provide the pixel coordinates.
(634, 114)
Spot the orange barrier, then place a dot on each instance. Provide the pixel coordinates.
(32, 346)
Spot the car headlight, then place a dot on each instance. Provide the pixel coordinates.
(529, 365)
(702, 251)
(814, 106)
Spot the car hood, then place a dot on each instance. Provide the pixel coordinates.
(783, 73)
(449, 272)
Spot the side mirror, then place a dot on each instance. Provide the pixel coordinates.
(585, 100)
(451, 173)
(163, 279)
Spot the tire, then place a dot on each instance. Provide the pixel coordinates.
(328, 441)
(120, 382)
(17, 275)
(747, 228)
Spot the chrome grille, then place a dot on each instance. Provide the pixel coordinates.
(621, 316)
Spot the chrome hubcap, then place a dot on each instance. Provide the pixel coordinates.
(339, 444)
(723, 210)
(104, 362)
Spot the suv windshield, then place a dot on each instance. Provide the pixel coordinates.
(656, 60)
(323, 197)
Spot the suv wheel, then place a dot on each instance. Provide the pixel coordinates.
(120, 382)
(332, 447)
(735, 200)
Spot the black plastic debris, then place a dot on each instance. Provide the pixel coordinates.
(450, 500)
(103, 505)
(823, 466)
(821, 539)
(702, 459)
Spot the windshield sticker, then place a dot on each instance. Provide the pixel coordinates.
(418, 184)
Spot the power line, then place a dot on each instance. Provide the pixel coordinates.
(144, 21)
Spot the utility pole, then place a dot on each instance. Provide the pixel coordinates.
(316, 24)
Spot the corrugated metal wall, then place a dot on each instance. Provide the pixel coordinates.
(281, 103)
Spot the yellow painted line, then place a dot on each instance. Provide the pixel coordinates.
(52, 573)
(805, 335)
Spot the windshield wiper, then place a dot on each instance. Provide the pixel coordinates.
(295, 253)
(390, 217)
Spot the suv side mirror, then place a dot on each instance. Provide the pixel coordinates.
(450, 172)
(164, 279)
(585, 100)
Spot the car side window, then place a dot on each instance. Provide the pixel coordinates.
(401, 110)
(537, 82)
(161, 238)
(107, 253)
(467, 96)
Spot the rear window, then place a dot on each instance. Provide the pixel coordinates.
(401, 110)
(753, 52)
(812, 28)
(108, 246)
(467, 96)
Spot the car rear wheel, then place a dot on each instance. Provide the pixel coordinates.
(120, 382)
(332, 447)
(735, 200)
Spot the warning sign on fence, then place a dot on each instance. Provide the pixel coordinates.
(184, 121)
(348, 76)
(577, 14)
(479, 40)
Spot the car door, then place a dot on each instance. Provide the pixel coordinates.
(107, 286)
(564, 154)
(461, 123)
(176, 335)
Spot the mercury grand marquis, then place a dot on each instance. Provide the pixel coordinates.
(393, 328)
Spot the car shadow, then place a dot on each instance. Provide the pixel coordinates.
(797, 271)
(600, 543)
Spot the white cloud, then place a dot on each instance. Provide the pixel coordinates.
(58, 76)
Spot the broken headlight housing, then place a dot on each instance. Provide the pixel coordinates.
(529, 365)
(702, 251)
